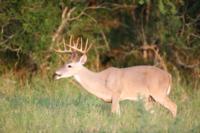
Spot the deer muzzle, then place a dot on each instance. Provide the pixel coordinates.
(56, 76)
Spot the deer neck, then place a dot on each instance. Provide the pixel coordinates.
(93, 82)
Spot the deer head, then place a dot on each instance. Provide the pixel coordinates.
(73, 66)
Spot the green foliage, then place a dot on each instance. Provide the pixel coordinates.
(30, 23)
(166, 7)
(142, 2)
(27, 27)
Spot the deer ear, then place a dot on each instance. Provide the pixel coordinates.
(83, 59)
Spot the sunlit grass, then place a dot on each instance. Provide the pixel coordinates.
(60, 106)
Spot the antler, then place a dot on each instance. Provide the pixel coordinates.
(75, 46)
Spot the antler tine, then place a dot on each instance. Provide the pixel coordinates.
(89, 47)
(64, 47)
(81, 44)
(86, 45)
(62, 51)
(74, 46)
(77, 42)
(70, 40)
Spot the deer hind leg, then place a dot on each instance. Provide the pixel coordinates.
(115, 104)
(167, 103)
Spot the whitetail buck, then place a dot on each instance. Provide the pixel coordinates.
(117, 84)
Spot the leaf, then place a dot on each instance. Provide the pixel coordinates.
(161, 7)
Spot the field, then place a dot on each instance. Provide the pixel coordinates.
(47, 106)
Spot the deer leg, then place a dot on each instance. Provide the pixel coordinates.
(115, 103)
(167, 103)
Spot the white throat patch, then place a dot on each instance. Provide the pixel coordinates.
(77, 78)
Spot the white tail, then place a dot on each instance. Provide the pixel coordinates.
(117, 84)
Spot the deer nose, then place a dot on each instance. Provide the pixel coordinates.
(56, 75)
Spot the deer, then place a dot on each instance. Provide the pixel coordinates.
(113, 84)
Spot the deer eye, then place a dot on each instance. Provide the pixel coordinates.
(69, 66)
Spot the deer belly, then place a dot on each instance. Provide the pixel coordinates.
(134, 94)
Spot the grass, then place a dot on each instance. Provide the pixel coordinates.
(46, 106)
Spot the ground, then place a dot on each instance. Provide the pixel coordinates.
(61, 106)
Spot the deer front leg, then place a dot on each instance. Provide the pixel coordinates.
(115, 103)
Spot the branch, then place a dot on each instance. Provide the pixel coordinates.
(181, 63)
(5, 41)
(105, 40)
(124, 6)
(66, 15)
(67, 18)
(158, 60)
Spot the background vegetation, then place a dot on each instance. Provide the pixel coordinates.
(163, 33)
(118, 29)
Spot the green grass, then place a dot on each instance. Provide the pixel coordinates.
(46, 106)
